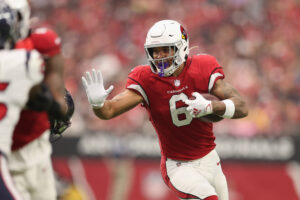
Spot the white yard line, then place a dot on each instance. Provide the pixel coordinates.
(78, 175)
(293, 170)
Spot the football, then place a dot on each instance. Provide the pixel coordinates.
(211, 118)
(209, 96)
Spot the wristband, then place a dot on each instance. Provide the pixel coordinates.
(229, 108)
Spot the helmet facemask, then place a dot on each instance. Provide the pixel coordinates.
(163, 66)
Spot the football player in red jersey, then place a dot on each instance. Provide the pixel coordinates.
(30, 161)
(170, 89)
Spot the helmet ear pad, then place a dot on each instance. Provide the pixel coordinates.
(167, 33)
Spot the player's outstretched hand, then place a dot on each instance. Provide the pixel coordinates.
(93, 85)
(199, 106)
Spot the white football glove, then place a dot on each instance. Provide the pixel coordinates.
(93, 85)
(198, 107)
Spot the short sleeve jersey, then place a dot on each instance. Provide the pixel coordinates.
(32, 123)
(181, 137)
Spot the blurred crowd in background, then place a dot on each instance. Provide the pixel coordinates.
(256, 41)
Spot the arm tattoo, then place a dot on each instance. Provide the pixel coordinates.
(228, 91)
(225, 91)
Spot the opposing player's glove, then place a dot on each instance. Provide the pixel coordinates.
(93, 85)
(199, 106)
(59, 125)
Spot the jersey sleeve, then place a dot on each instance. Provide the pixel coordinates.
(134, 83)
(24, 44)
(211, 69)
(46, 42)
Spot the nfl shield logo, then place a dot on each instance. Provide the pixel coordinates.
(177, 83)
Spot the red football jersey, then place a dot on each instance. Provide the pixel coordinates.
(31, 123)
(181, 137)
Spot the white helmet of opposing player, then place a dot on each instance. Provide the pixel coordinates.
(171, 34)
(23, 8)
(9, 26)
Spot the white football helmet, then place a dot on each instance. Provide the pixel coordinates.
(9, 26)
(171, 34)
(23, 9)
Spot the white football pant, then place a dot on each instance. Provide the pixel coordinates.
(32, 171)
(200, 178)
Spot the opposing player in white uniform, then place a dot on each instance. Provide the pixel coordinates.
(31, 149)
(20, 71)
(170, 89)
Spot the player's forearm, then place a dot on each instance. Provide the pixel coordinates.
(118, 105)
(55, 80)
(112, 108)
(104, 112)
(240, 111)
(55, 85)
(231, 104)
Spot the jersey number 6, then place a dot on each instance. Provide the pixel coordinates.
(175, 112)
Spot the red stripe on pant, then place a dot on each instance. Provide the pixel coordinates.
(211, 198)
(169, 184)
